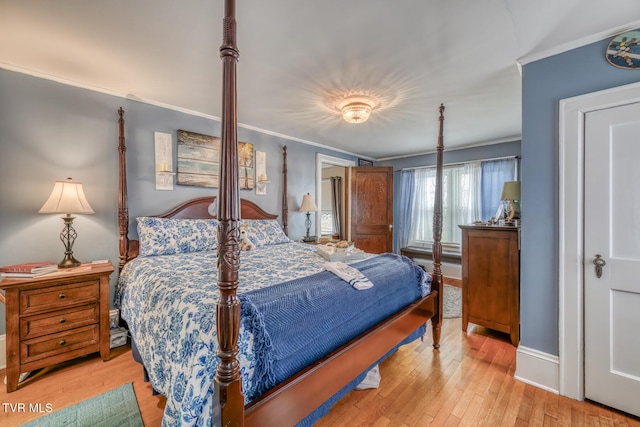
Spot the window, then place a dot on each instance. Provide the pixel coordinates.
(465, 188)
(326, 223)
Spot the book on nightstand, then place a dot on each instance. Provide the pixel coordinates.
(28, 270)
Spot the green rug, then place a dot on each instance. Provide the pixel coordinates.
(117, 407)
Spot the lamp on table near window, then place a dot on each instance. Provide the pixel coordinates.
(67, 197)
(308, 206)
(511, 194)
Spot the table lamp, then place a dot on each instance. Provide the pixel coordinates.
(308, 206)
(67, 197)
(511, 193)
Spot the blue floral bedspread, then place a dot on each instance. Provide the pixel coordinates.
(169, 304)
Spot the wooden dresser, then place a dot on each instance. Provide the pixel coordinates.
(491, 278)
(57, 317)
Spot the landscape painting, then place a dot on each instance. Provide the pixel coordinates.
(199, 161)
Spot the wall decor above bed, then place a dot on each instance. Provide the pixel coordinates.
(199, 161)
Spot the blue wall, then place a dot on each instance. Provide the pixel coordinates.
(50, 131)
(544, 84)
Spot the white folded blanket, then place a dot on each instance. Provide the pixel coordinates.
(349, 274)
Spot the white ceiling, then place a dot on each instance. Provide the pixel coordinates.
(298, 57)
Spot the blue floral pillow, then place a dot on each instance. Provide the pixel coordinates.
(265, 232)
(168, 236)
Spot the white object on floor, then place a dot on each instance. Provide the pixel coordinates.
(372, 380)
(349, 274)
(117, 337)
(23, 376)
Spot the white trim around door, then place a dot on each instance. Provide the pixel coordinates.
(323, 159)
(571, 221)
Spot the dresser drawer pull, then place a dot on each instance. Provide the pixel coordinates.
(62, 320)
(62, 342)
(61, 296)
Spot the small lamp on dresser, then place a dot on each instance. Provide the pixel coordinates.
(308, 206)
(68, 198)
(511, 194)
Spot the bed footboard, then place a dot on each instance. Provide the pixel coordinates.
(291, 401)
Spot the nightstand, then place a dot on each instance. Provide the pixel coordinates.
(55, 318)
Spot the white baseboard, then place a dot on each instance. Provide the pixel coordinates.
(3, 351)
(451, 270)
(538, 369)
(448, 269)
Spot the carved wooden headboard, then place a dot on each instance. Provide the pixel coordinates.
(200, 209)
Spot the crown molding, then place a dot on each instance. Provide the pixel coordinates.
(592, 38)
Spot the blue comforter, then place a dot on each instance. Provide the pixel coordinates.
(303, 320)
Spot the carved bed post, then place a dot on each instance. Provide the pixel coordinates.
(285, 207)
(123, 210)
(436, 321)
(228, 382)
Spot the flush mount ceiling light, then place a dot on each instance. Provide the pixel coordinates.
(356, 112)
(356, 109)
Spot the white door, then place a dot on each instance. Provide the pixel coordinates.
(612, 231)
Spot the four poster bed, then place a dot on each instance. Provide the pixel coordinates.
(281, 334)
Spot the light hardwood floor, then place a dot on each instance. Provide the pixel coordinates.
(73, 381)
(469, 382)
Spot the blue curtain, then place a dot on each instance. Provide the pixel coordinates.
(494, 175)
(406, 200)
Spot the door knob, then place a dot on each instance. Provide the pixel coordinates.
(599, 263)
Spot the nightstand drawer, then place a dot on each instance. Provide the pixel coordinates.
(51, 345)
(57, 321)
(52, 298)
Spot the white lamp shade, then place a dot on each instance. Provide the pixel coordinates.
(308, 204)
(67, 197)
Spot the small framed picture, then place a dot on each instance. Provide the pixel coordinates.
(499, 212)
(363, 162)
